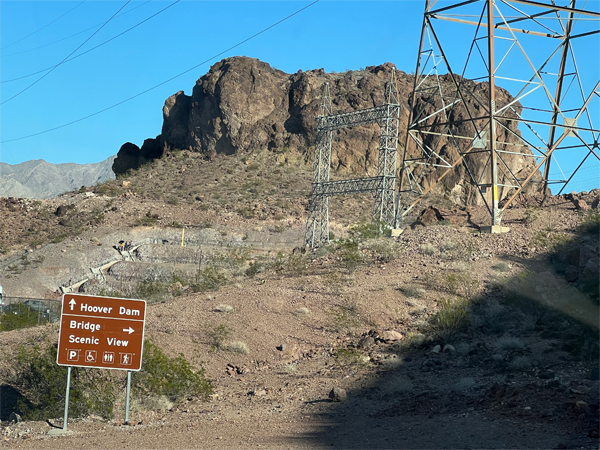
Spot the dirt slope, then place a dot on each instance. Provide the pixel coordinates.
(516, 366)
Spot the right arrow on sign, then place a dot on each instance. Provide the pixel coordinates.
(128, 330)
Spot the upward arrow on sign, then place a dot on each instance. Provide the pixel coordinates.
(72, 303)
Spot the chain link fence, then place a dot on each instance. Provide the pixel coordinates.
(23, 312)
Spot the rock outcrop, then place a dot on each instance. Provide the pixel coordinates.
(243, 105)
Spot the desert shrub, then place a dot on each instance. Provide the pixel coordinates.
(290, 368)
(428, 249)
(151, 290)
(254, 267)
(590, 222)
(171, 377)
(531, 214)
(217, 336)
(549, 240)
(507, 343)
(456, 283)
(145, 221)
(448, 246)
(246, 213)
(110, 293)
(451, 319)
(383, 250)
(292, 265)
(413, 291)
(502, 267)
(209, 279)
(296, 265)
(237, 347)
(347, 356)
(346, 316)
(349, 253)
(520, 363)
(368, 230)
(43, 384)
(224, 308)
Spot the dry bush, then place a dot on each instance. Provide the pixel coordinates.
(412, 291)
(428, 249)
(237, 347)
(224, 308)
(520, 363)
(507, 343)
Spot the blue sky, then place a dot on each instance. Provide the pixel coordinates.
(334, 35)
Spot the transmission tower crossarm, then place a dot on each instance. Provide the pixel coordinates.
(554, 7)
(352, 186)
(354, 118)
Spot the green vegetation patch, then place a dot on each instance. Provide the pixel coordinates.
(42, 383)
(171, 377)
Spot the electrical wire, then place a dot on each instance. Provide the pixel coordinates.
(45, 26)
(71, 36)
(51, 70)
(93, 48)
(166, 81)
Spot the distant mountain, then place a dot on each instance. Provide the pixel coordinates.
(40, 179)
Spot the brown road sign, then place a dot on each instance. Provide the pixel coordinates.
(101, 332)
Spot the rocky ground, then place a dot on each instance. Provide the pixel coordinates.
(444, 337)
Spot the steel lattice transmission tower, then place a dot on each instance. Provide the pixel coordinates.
(383, 185)
(545, 53)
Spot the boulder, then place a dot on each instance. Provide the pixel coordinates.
(130, 156)
(391, 336)
(338, 394)
(429, 216)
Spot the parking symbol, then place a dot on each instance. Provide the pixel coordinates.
(125, 359)
(90, 355)
(108, 357)
(73, 355)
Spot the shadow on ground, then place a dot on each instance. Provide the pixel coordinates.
(524, 374)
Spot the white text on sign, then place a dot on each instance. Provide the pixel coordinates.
(84, 325)
(117, 342)
(84, 307)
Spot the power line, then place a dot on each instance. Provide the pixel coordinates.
(51, 70)
(166, 81)
(72, 35)
(93, 48)
(45, 26)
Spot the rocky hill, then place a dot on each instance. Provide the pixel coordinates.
(243, 105)
(39, 179)
(443, 337)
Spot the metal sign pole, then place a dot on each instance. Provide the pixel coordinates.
(67, 399)
(127, 397)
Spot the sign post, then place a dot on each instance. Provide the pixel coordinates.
(103, 333)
